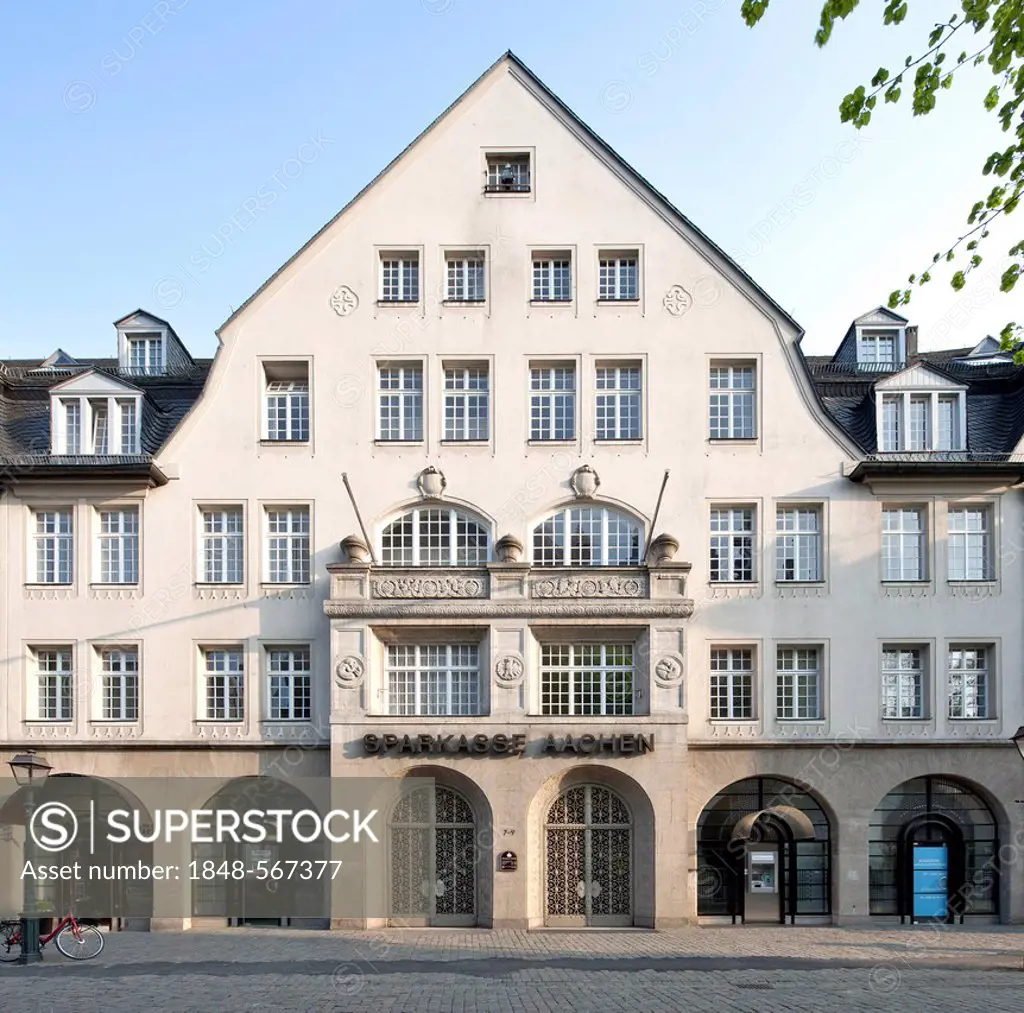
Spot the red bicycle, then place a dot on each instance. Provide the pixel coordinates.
(76, 942)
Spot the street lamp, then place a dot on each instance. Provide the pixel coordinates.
(1018, 740)
(30, 771)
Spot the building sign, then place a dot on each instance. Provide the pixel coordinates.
(503, 744)
(508, 861)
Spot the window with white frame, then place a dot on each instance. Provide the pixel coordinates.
(400, 277)
(969, 543)
(400, 402)
(467, 403)
(287, 546)
(970, 686)
(117, 549)
(286, 402)
(552, 401)
(222, 545)
(732, 405)
(798, 691)
(618, 402)
(128, 411)
(587, 536)
(96, 425)
(921, 421)
(904, 546)
(145, 354)
(439, 679)
(465, 276)
(223, 686)
(53, 539)
(71, 415)
(903, 689)
(51, 695)
(798, 543)
(289, 681)
(434, 536)
(732, 684)
(552, 277)
(586, 679)
(119, 683)
(508, 173)
(618, 276)
(877, 349)
(732, 544)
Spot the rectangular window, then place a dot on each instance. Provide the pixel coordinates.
(54, 680)
(72, 426)
(400, 277)
(949, 423)
(877, 349)
(467, 403)
(118, 546)
(618, 277)
(54, 538)
(224, 684)
(902, 683)
(465, 277)
(100, 427)
(732, 544)
(920, 422)
(222, 545)
(919, 434)
(732, 684)
(798, 684)
(552, 278)
(553, 402)
(594, 679)
(290, 683)
(732, 404)
(508, 173)
(969, 683)
(442, 679)
(970, 544)
(145, 354)
(400, 402)
(892, 422)
(129, 427)
(798, 544)
(287, 545)
(903, 544)
(618, 403)
(286, 402)
(119, 676)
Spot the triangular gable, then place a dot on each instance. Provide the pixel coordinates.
(94, 382)
(140, 318)
(58, 360)
(880, 316)
(918, 377)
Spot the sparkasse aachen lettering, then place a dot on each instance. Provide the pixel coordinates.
(503, 744)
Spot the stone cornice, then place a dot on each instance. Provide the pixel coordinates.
(525, 608)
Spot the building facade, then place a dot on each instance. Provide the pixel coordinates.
(512, 479)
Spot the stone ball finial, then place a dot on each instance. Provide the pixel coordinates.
(663, 549)
(355, 549)
(508, 549)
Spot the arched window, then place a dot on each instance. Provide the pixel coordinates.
(587, 536)
(434, 536)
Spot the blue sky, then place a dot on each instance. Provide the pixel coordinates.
(134, 131)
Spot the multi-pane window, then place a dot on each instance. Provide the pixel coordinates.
(732, 683)
(949, 423)
(798, 544)
(798, 695)
(54, 682)
(54, 538)
(618, 277)
(587, 536)
(289, 678)
(223, 691)
(732, 544)
(919, 431)
(72, 426)
(100, 419)
(892, 423)
(434, 537)
(970, 543)
(129, 427)
(465, 277)
(902, 682)
(287, 559)
(119, 683)
(96, 425)
(400, 277)
(508, 173)
(618, 403)
(920, 422)
(442, 679)
(467, 403)
(586, 679)
(877, 350)
(969, 682)
(145, 354)
(118, 546)
(552, 278)
(732, 402)
(553, 402)
(400, 402)
(287, 410)
(222, 545)
(903, 544)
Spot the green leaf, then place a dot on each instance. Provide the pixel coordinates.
(880, 77)
(752, 11)
(992, 98)
(958, 281)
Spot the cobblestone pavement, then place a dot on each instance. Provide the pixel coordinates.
(460, 971)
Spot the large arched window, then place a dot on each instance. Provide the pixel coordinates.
(587, 536)
(434, 536)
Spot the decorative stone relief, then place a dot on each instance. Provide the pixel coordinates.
(906, 590)
(801, 591)
(114, 731)
(585, 482)
(588, 587)
(734, 731)
(213, 732)
(288, 732)
(431, 483)
(975, 730)
(734, 591)
(344, 301)
(677, 300)
(972, 592)
(115, 593)
(427, 587)
(350, 671)
(202, 593)
(467, 608)
(33, 731)
(668, 670)
(509, 669)
(49, 593)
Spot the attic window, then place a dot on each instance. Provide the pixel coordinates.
(95, 425)
(144, 354)
(921, 421)
(508, 173)
(878, 350)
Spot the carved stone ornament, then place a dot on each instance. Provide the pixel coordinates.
(431, 483)
(427, 587)
(350, 671)
(585, 482)
(663, 548)
(509, 669)
(508, 549)
(668, 670)
(355, 549)
(677, 300)
(344, 301)
(588, 587)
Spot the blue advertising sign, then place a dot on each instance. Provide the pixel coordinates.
(931, 867)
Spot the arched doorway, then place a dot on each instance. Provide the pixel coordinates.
(433, 853)
(934, 852)
(764, 853)
(589, 858)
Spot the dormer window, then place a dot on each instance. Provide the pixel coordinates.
(508, 173)
(921, 421)
(95, 425)
(144, 354)
(879, 350)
